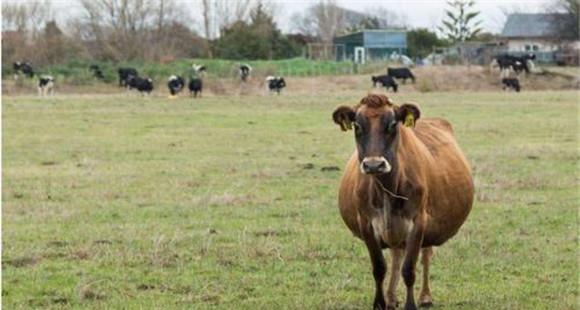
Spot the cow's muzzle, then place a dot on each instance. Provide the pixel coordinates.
(375, 165)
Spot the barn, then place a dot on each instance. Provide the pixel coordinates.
(365, 45)
(533, 33)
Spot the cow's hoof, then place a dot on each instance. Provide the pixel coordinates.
(426, 304)
(379, 305)
(410, 306)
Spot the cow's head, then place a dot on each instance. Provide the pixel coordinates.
(377, 123)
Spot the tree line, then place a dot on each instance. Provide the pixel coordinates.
(163, 30)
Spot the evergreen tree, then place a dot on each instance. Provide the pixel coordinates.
(460, 23)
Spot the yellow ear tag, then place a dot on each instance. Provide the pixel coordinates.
(410, 120)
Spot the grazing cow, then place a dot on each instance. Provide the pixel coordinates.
(125, 75)
(511, 83)
(386, 80)
(21, 67)
(199, 70)
(406, 187)
(195, 86)
(245, 71)
(45, 85)
(97, 72)
(517, 63)
(143, 85)
(275, 83)
(175, 85)
(401, 73)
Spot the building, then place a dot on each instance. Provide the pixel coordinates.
(532, 33)
(365, 45)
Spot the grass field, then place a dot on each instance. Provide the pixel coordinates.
(115, 202)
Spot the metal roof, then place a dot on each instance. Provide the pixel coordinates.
(530, 25)
(375, 38)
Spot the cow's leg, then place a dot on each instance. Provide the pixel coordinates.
(413, 247)
(379, 269)
(425, 299)
(397, 259)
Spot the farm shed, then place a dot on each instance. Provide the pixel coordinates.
(370, 44)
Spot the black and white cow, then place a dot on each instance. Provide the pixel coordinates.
(22, 67)
(386, 80)
(245, 71)
(125, 74)
(519, 64)
(143, 85)
(199, 70)
(401, 73)
(97, 72)
(195, 86)
(45, 85)
(511, 83)
(175, 84)
(275, 83)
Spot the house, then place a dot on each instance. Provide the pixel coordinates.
(373, 44)
(533, 33)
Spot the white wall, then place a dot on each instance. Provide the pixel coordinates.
(519, 45)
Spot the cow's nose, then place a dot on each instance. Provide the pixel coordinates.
(375, 165)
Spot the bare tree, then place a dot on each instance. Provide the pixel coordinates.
(27, 17)
(128, 29)
(387, 18)
(21, 24)
(324, 20)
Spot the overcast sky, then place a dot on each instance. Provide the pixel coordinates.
(417, 13)
(424, 13)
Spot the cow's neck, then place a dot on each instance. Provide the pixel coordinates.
(388, 186)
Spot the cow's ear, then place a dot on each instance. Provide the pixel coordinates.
(408, 114)
(344, 116)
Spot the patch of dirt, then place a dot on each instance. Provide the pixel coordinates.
(307, 166)
(330, 168)
(19, 262)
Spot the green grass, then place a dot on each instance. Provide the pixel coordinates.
(115, 202)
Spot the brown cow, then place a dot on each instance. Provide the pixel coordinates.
(407, 187)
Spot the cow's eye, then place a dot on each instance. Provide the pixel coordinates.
(391, 126)
(357, 129)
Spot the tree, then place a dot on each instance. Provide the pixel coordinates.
(324, 20)
(134, 29)
(54, 47)
(420, 42)
(259, 38)
(218, 15)
(367, 22)
(387, 18)
(566, 19)
(461, 24)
